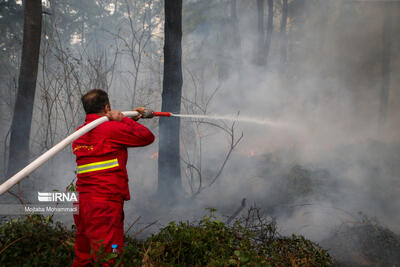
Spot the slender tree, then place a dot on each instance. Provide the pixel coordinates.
(386, 62)
(283, 32)
(22, 118)
(270, 27)
(169, 170)
(237, 43)
(260, 55)
(235, 22)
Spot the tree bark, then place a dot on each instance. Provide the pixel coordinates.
(283, 33)
(22, 117)
(386, 61)
(270, 28)
(237, 43)
(169, 171)
(260, 55)
(235, 26)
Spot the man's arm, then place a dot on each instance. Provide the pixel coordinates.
(128, 132)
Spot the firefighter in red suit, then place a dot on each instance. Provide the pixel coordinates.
(102, 183)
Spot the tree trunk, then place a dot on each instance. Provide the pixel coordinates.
(235, 23)
(236, 34)
(169, 171)
(283, 33)
(270, 28)
(386, 61)
(22, 117)
(260, 55)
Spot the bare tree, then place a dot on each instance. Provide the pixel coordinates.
(197, 178)
(264, 42)
(22, 118)
(61, 87)
(236, 33)
(134, 37)
(260, 55)
(283, 33)
(386, 62)
(270, 28)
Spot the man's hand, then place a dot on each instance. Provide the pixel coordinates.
(115, 115)
(141, 110)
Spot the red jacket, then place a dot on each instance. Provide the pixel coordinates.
(101, 156)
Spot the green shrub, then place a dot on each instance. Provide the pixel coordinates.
(209, 242)
(35, 242)
(212, 243)
(296, 251)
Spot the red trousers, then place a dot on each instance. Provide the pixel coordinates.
(100, 222)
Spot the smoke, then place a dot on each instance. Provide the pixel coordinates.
(329, 95)
(333, 158)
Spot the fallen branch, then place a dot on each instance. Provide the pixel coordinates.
(234, 215)
(132, 224)
(12, 243)
(144, 228)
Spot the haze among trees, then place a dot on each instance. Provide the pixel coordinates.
(330, 69)
(117, 45)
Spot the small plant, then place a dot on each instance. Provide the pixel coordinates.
(35, 242)
(101, 257)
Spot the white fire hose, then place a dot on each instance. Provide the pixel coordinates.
(54, 150)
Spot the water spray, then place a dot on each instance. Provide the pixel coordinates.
(276, 124)
(234, 119)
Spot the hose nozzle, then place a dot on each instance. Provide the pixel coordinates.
(148, 114)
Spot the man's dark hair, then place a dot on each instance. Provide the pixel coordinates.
(95, 101)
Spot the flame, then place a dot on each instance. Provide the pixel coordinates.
(251, 153)
(248, 152)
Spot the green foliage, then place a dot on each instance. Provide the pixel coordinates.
(209, 242)
(212, 243)
(297, 251)
(72, 186)
(35, 242)
(100, 256)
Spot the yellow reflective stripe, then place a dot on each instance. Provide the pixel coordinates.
(98, 163)
(100, 168)
(97, 166)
